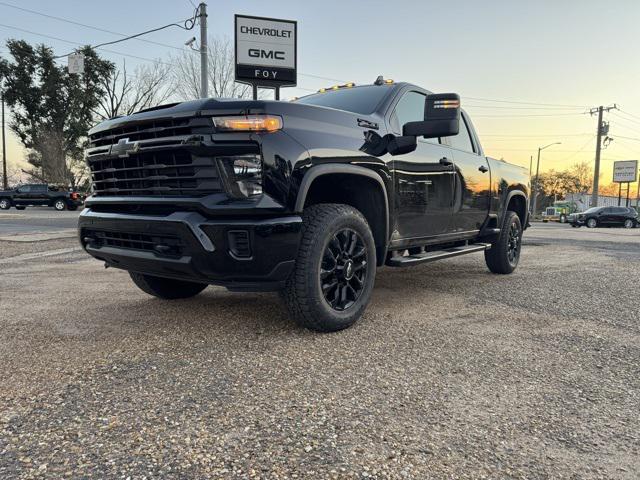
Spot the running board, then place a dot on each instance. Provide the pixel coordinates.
(409, 260)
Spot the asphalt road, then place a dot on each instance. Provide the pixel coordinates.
(36, 220)
(452, 372)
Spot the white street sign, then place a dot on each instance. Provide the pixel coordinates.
(76, 63)
(265, 50)
(625, 171)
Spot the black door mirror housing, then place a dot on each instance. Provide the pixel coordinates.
(441, 117)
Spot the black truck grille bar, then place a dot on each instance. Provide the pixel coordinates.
(171, 172)
(153, 158)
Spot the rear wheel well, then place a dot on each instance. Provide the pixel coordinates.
(518, 204)
(362, 193)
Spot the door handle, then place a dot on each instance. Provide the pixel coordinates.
(483, 169)
(446, 162)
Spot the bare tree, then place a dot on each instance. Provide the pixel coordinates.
(185, 72)
(125, 94)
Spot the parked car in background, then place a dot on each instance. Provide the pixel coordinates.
(40, 194)
(606, 217)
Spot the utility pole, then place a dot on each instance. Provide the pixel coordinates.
(204, 84)
(5, 185)
(534, 190)
(602, 130)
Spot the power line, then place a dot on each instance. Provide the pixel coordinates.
(521, 108)
(626, 119)
(524, 103)
(586, 144)
(535, 136)
(530, 115)
(628, 138)
(80, 44)
(630, 114)
(188, 24)
(99, 29)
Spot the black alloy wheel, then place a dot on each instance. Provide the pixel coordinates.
(331, 283)
(344, 269)
(513, 246)
(504, 254)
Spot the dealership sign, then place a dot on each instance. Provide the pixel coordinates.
(625, 171)
(266, 51)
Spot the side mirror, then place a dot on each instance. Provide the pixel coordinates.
(441, 117)
(402, 145)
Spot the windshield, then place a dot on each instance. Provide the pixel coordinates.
(362, 100)
(592, 209)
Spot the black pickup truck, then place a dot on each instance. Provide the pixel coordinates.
(306, 197)
(39, 194)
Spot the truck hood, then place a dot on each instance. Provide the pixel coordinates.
(215, 106)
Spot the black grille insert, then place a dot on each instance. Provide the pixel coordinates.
(165, 245)
(171, 172)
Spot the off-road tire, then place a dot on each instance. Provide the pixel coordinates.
(166, 288)
(303, 294)
(498, 257)
(59, 205)
(5, 204)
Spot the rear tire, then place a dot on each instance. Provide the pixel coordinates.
(166, 288)
(21, 208)
(60, 205)
(5, 204)
(335, 269)
(504, 254)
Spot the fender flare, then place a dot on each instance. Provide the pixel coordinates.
(516, 193)
(329, 169)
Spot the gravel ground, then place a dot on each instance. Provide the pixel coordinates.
(452, 373)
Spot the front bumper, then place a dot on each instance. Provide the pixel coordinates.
(188, 246)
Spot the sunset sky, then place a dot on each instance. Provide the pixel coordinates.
(527, 71)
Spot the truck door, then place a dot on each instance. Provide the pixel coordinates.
(472, 189)
(22, 195)
(423, 179)
(39, 195)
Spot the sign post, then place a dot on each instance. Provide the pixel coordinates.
(625, 171)
(266, 52)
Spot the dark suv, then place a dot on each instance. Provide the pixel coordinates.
(606, 217)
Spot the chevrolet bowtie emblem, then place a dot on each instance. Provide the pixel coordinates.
(124, 147)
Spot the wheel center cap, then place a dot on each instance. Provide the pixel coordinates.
(348, 270)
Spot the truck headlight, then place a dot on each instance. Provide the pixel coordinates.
(241, 175)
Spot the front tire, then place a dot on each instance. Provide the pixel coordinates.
(628, 223)
(592, 223)
(563, 219)
(504, 254)
(60, 205)
(335, 269)
(166, 288)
